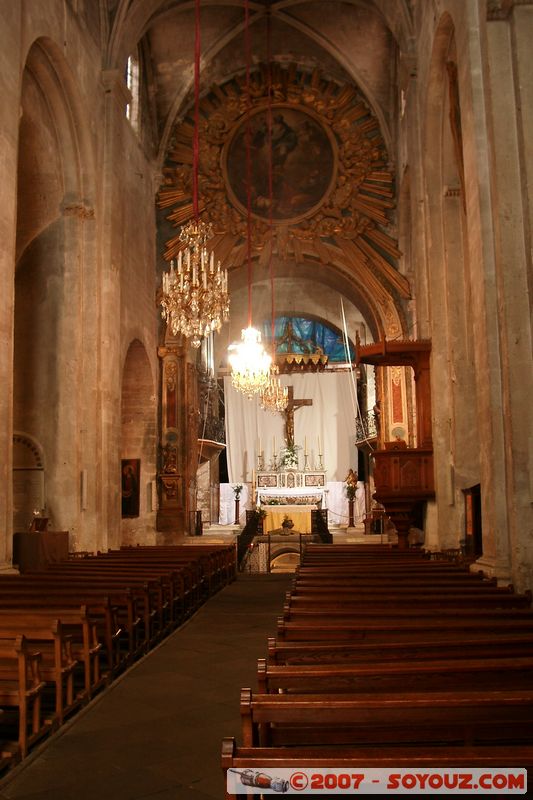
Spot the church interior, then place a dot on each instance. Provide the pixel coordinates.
(266, 291)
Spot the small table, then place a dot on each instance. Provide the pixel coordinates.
(34, 550)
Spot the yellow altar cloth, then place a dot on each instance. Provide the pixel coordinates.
(300, 515)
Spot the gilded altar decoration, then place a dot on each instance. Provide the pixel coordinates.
(333, 188)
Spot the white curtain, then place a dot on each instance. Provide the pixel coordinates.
(330, 420)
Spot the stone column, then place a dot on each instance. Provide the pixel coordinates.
(509, 33)
(108, 488)
(10, 38)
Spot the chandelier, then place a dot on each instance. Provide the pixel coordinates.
(250, 364)
(274, 396)
(194, 296)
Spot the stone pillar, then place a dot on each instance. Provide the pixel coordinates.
(108, 488)
(509, 32)
(10, 38)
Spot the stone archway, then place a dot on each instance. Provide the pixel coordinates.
(138, 447)
(52, 249)
(285, 560)
(28, 480)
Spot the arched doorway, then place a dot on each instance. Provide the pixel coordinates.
(138, 446)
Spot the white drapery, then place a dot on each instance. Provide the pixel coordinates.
(330, 422)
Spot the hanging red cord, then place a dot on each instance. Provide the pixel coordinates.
(270, 184)
(196, 133)
(248, 136)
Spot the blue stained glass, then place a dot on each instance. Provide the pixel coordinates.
(302, 335)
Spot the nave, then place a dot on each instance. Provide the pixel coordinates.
(157, 731)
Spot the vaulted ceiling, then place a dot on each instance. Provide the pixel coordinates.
(335, 66)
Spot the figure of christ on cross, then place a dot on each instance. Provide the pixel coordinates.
(292, 406)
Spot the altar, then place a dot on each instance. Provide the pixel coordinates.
(299, 514)
(291, 483)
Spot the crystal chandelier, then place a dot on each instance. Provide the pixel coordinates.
(274, 396)
(250, 364)
(195, 297)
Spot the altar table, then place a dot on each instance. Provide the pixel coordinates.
(300, 515)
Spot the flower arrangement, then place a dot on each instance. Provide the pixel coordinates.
(237, 489)
(287, 522)
(289, 456)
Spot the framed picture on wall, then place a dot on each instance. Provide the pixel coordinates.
(131, 472)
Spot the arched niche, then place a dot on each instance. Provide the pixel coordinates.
(28, 480)
(138, 448)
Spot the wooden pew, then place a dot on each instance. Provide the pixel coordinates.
(68, 641)
(439, 674)
(421, 758)
(370, 613)
(146, 586)
(349, 759)
(394, 630)
(45, 633)
(450, 647)
(21, 688)
(330, 598)
(467, 717)
(56, 600)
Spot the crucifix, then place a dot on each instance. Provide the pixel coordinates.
(292, 406)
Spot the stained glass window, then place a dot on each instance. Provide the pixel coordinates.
(303, 335)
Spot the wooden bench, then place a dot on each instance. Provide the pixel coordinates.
(60, 601)
(68, 641)
(438, 674)
(46, 634)
(21, 688)
(422, 758)
(458, 717)
(398, 630)
(331, 600)
(450, 647)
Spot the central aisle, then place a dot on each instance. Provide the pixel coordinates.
(157, 732)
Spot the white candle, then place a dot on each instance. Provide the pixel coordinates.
(274, 444)
(319, 450)
(305, 445)
(260, 451)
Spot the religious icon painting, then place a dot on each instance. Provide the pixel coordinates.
(131, 471)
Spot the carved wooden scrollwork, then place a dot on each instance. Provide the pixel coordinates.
(320, 125)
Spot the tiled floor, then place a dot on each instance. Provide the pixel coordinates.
(157, 731)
